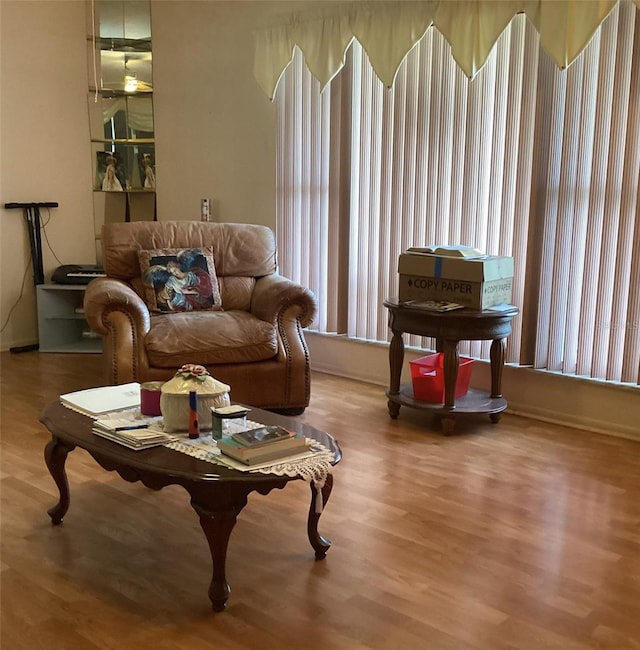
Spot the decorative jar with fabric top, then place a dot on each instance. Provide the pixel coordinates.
(174, 401)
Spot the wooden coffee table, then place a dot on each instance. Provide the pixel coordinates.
(217, 493)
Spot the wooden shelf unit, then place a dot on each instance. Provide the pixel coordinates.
(61, 325)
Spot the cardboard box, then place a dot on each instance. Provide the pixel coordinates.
(477, 283)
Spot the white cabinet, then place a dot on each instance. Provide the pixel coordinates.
(61, 323)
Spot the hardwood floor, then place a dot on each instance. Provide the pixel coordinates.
(516, 535)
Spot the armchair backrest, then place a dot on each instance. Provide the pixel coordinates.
(242, 252)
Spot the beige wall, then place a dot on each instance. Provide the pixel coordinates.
(215, 129)
(44, 152)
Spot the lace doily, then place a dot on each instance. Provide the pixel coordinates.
(312, 466)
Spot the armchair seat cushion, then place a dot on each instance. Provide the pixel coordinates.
(209, 338)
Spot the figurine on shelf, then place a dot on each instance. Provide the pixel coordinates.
(110, 183)
(149, 174)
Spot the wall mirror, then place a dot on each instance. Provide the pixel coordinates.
(120, 100)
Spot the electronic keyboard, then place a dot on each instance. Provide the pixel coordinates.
(77, 273)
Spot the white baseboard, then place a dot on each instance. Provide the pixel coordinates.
(589, 405)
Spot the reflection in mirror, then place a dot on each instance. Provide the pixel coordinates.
(124, 18)
(140, 117)
(127, 117)
(122, 33)
(128, 71)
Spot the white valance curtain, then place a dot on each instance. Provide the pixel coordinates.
(388, 30)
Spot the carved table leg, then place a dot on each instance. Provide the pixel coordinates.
(448, 425)
(55, 456)
(320, 544)
(394, 409)
(496, 355)
(450, 371)
(396, 359)
(217, 524)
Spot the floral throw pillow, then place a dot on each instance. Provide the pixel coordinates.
(179, 279)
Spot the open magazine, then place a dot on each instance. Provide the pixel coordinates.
(103, 399)
(464, 252)
(432, 305)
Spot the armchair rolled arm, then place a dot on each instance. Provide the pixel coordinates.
(115, 311)
(106, 296)
(274, 294)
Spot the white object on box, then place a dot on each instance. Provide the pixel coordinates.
(456, 250)
(476, 283)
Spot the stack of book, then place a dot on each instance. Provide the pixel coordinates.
(140, 435)
(262, 445)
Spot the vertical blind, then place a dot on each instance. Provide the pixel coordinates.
(524, 160)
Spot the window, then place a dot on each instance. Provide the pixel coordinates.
(525, 160)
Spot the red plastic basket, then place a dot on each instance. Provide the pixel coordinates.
(427, 376)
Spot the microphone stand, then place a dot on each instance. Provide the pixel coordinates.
(31, 213)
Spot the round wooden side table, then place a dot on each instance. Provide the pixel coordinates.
(449, 328)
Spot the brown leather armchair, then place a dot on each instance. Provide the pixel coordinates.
(255, 344)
